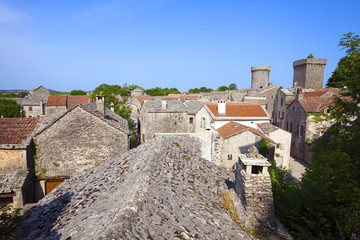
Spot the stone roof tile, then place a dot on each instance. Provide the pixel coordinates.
(162, 189)
(11, 180)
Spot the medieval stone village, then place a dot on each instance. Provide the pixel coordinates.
(77, 171)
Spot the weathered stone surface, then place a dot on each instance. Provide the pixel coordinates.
(161, 190)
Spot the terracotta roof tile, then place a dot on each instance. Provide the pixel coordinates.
(315, 104)
(57, 100)
(14, 130)
(142, 99)
(77, 100)
(239, 110)
(232, 128)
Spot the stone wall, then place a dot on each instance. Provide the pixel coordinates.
(35, 110)
(77, 142)
(54, 109)
(309, 73)
(164, 122)
(13, 159)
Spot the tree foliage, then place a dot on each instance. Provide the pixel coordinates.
(9, 220)
(158, 91)
(310, 56)
(198, 90)
(111, 92)
(232, 86)
(223, 88)
(326, 203)
(10, 108)
(340, 75)
(77, 92)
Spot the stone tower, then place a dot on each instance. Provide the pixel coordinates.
(309, 73)
(260, 77)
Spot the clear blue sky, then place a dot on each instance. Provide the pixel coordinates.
(66, 45)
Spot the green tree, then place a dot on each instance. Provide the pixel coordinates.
(110, 92)
(328, 200)
(340, 75)
(132, 87)
(310, 56)
(9, 220)
(10, 108)
(205, 89)
(158, 91)
(223, 88)
(232, 86)
(77, 92)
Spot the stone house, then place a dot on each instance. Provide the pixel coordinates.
(34, 103)
(280, 148)
(282, 100)
(216, 115)
(236, 139)
(80, 139)
(299, 119)
(16, 161)
(63, 103)
(162, 116)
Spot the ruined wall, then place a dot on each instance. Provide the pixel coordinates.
(77, 142)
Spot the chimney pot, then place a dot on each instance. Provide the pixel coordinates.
(100, 104)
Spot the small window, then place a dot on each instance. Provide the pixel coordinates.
(30, 108)
(282, 102)
(278, 145)
(229, 157)
(191, 120)
(293, 109)
(57, 107)
(256, 169)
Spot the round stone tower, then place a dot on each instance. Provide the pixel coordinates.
(260, 77)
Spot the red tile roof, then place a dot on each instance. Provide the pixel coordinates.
(315, 104)
(77, 100)
(142, 99)
(316, 93)
(232, 128)
(57, 100)
(14, 130)
(239, 110)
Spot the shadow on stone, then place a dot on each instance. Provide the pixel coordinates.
(40, 220)
(230, 184)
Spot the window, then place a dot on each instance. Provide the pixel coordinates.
(301, 131)
(30, 109)
(57, 107)
(202, 123)
(289, 127)
(282, 102)
(293, 109)
(229, 157)
(191, 120)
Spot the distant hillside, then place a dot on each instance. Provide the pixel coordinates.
(13, 91)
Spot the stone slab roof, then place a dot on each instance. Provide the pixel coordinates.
(11, 179)
(161, 190)
(15, 130)
(232, 128)
(267, 127)
(239, 110)
(110, 117)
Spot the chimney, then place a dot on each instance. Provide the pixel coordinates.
(41, 107)
(222, 107)
(100, 104)
(163, 104)
(112, 107)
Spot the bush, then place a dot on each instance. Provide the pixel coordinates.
(9, 220)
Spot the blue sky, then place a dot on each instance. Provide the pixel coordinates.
(66, 45)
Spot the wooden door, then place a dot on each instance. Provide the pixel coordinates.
(50, 185)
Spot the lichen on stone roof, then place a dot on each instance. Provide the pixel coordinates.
(161, 190)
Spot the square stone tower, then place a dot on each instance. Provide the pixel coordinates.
(309, 73)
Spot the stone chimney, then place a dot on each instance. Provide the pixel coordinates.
(222, 107)
(41, 107)
(163, 104)
(112, 107)
(100, 104)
